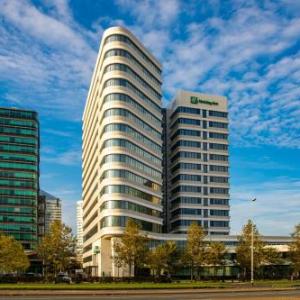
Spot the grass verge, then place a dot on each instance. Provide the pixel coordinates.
(148, 285)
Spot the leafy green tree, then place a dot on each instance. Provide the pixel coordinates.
(162, 258)
(195, 251)
(216, 252)
(57, 248)
(295, 251)
(263, 255)
(12, 255)
(132, 249)
(271, 256)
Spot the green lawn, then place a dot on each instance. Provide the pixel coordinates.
(146, 285)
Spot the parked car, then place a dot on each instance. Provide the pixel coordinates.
(63, 278)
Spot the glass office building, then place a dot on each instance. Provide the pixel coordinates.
(19, 174)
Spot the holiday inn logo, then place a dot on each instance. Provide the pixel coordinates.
(196, 100)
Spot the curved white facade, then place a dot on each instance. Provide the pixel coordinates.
(122, 145)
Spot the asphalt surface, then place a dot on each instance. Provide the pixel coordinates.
(276, 295)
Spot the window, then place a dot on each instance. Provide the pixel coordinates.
(19, 140)
(217, 124)
(18, 131)
(132, 117)
(126, 69)
(184, 143)
(218, 114)
(186, 110)
(124, 53)
(18, 183)
(186, 200)
(18, 157)
(132, 162)
(133, 133)
(219, 223)
(128, 85)
(135, 104)
(218, 179)
(121, 204)
(219, 201)
(19, 149)
(218, 212)
(189, 132)
(184, 223)
(132, 147)
(121, 221)
(186, 154)
(91, 232)
(186, 121)
(186, 189)
(186, 211)
(18, 114)
(128, 41)
(125, 189)
(216, 146)
(116, 173)
(215, 168)
(186, 177)
(18, 166)
(186, 166)
(217, 135)
(218, 157)
(216, 190)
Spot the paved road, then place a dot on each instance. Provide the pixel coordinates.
(274, 295)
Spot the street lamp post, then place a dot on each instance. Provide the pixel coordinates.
(252, 249)
(252, 254)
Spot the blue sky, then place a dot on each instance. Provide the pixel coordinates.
(246, 50)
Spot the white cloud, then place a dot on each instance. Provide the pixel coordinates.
(67, 158)
(45, 56)
(152, 13)
(41, 26)
(276, 210)
(235, 56)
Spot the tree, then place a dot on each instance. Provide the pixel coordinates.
(162, 258)
(57, 248)
(271, 258)
(243, 250)
(195, 252)
(132, 249)
(12, 255)
(118, 263)
(215, 254)
(295, 250)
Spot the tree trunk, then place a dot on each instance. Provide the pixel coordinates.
(223, 275)
(130, 269)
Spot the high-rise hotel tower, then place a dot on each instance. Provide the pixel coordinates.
(122, 146)
(197, 163)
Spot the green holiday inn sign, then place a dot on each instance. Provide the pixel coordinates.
(196, 100)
